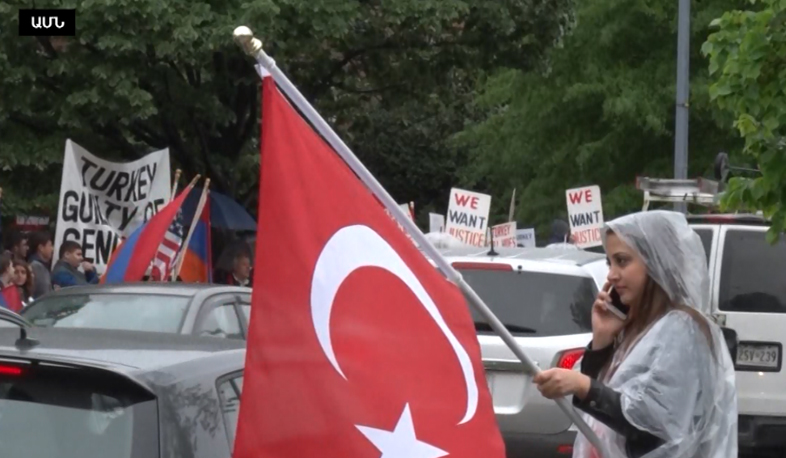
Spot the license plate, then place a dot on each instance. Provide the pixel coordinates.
(758, 356)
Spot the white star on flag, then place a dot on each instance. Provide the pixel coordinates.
(401, 442)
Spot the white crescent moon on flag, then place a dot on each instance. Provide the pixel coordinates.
(358, 246)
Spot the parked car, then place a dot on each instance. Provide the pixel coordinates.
(198, 309)
(544, 297)
(74, 393)
(749, 296)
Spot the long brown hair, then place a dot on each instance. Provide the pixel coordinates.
(655, 303)
(28, 286)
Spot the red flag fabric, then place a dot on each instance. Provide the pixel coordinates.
(357, 346)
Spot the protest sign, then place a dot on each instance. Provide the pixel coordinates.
(102, 202)
(436, 222)
(503, 235)
(468, 216)
(526, 237)
(585, 213)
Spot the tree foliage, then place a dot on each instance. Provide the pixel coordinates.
(748, 66)
(395, 77)
(600, 112)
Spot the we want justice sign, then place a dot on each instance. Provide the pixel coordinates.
(468, 216)
(585, 212)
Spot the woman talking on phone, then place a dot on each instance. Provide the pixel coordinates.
(657, 379)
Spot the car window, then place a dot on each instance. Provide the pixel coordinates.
(229, 391)
(44, 408)
(751, 273)
(219, 320)
(706, 239)
(534, 303)
(128, 312)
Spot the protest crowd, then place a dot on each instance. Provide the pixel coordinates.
(642, 303)
(154, 313)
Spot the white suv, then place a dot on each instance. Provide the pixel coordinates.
(544, 296)
(748, 281)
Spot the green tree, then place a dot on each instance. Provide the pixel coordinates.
(394, 77)
(600, 111)
(748, 66)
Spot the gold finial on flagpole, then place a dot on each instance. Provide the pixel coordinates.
(194, 181)
(244, 38)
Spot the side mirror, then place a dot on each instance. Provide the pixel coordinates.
(732, 341)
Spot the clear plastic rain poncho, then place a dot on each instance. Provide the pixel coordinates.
(670, 383)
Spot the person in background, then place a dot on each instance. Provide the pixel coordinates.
(66, 271)
(41, 251)
(240, 275)
(11, 298)
(23, 279)
(560, 232)
(16, 245)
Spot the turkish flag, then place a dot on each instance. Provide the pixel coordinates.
(357, 347)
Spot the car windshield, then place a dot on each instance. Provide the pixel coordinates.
(534, 303)
(127, 312)
(56, 412)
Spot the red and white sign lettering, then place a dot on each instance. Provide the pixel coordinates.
(468, 216)
(503, 235)
(585, 214)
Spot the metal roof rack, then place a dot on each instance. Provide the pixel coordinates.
(700, 191)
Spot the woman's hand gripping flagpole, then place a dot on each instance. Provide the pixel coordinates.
(252, 46)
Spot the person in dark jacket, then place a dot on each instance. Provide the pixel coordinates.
(41, 251)
(235, 265)
(241, 273)
(16, 244)
(560, 232)
(66, 272)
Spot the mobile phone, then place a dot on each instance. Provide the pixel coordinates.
(616, 306)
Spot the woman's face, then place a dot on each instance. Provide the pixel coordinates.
(20, 275)
(627, 272)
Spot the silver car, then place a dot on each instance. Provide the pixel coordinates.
(176, 308)
(544, 297)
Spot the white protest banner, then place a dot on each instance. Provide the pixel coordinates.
(468, 216)
(526, 237)
(585, 212)
(102, 202)
(436, 222)
(504, 235)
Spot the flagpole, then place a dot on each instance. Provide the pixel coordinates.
(171, 198)
(244, 37)
(174, 184)
(198, 214)
(511, 213)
